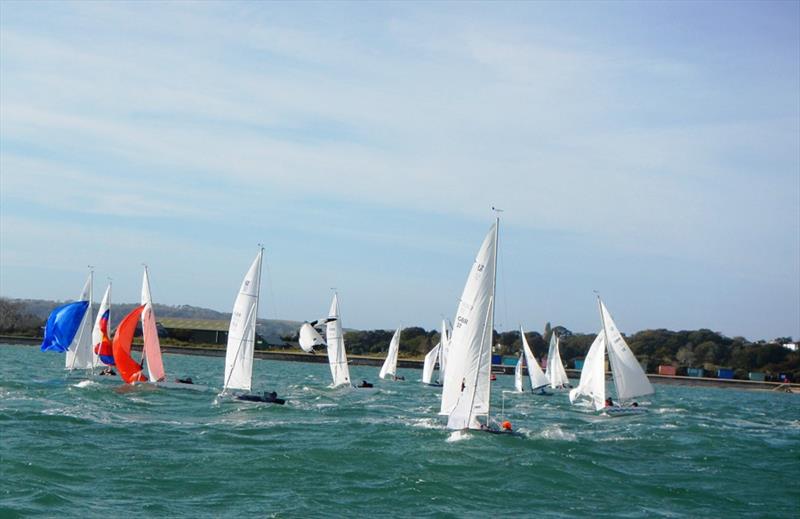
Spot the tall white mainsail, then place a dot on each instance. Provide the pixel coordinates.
(79, 355)
(556, 374)
(430, 363)
(538, 379)
(593, 374)
(242, 330)
(466, 391)
(390, 364)
(337, 357)
(629, 377)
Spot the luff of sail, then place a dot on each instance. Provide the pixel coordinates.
(537, 377)
(390, 364)
(242, 330)
(630, 379)
(79, 355)
(592, 383)
(466, 390)
(337, 357)
(152, 346)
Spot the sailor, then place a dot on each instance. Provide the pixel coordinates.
(609, 402)
(187, 380)
(108, 371)
(506, 426)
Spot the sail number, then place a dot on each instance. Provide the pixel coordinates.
(461, 320)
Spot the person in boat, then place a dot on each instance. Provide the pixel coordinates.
(187, 380)
(108, 371)
(364, 383)
(635, 404)
(506, 425)
(609, 402)
(395, 377)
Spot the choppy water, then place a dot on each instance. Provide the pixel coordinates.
(72, 447)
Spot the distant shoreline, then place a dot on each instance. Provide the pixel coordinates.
(359, 360)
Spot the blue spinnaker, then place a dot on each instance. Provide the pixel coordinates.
(62, 325)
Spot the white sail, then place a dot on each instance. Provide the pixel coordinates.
(466, 391)
(538, 379)
(518, 373)
(629, 377)
(242, 331)
(79, 355)
(390, 364)
(444, 340)
(309, 338)
(593, 375)
(556, 374)
(97, 332)
(337, 357)
(430, 363)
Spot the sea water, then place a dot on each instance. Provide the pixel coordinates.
(71, 446)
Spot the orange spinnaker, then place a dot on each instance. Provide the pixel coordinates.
(129, 369)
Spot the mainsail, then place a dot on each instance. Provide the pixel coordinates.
(556, 374)
(152, 346)
(129, 370)
(309, 337)
(337, 357)
(390, 364)
(466, 391)
(242, 330)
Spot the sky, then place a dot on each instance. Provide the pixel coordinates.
(646, 150)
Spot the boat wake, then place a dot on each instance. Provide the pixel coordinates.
(457, 436)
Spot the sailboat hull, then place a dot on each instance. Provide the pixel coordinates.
(617, 411)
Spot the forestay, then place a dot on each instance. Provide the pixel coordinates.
(593, 377)
(430, 363)
(389, 367)
(466, 390)
(535, 373)
(629, 377)
(242, 330)
(337, 357)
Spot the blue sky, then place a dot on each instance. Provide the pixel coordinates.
(649, 150)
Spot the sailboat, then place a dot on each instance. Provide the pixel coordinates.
(389, 368)
(242, 339)
(556, 374)
(467, 388)
(151, 349)
(337, 356)
(438, 355)
(630, 380)
(537, 377)
(101, 343)
(68, 330)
